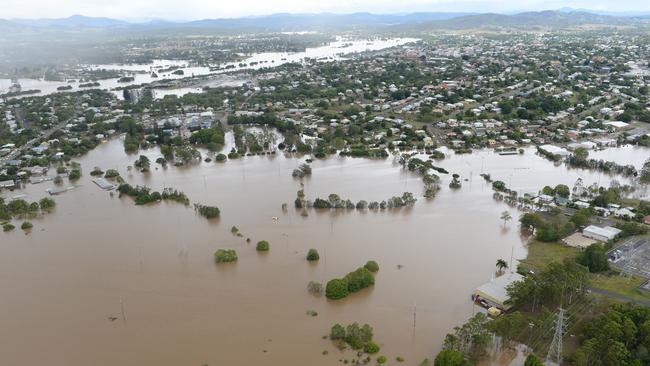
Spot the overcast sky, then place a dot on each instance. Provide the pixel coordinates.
(201, 9)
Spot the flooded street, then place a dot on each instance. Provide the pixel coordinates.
(98, 256)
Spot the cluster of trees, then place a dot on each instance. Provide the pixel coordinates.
(363, 151)
(557, 282)
(225, 255)
(143, 195)
(621, 336)
(547, 230)
(580, 156)
(111, 173)
(143, 163)
(423, 168)
(354, 281)
(455, 182)
(358, 337)
(594, 258)
(302, 171)
(631, 229)
(334, 201)
(561, 190)
(644, 177)
(467, 344)
(20, 208)
(549, 155)
(209, 212)
(185, 154)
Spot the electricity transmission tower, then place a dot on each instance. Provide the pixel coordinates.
(554, 355)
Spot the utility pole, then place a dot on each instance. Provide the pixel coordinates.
(554, 355)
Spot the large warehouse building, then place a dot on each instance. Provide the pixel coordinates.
(605, 234)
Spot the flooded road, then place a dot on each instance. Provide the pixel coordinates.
(152, 267)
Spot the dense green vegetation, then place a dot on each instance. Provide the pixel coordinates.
(262, 246)
(312, 255)
(372, 266)
(143, 195)
(336, 288)
(620, 336)
(209, 212)
(355, 336)
(354, 281)
(225, 255)
(594, 258)
(20, 208)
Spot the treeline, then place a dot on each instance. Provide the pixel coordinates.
(579, 158)
(333, 201)
(143, 195)
(209, 212)
(20, 208)
(618, 337)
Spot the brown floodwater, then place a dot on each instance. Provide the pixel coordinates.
(98, 256)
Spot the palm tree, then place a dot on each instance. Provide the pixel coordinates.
(501, 265)
(505, 216)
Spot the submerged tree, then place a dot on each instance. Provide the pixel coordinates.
(505, 216)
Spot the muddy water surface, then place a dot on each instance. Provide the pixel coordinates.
(152, 267)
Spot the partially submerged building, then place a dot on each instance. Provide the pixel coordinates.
(495, 293)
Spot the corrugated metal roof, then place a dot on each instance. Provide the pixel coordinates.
(496, 290)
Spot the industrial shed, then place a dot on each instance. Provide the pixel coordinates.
(495, 293)
(605, 234)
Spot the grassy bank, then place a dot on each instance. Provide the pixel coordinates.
(540, 254)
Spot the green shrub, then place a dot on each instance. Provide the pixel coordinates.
(312, 255)
(336, 289)
(111, 173)
(399, 359)
(594, 258)
(26, 225)
(532, 360)
(372, 266)
(209, 212)
(315, 288)
(46, 203)
(8, 227)
(371, 347)
(337, 332)
(359, 279)
(381, 360)
(262, 246)
(96, 172)
(450, 357)
(225, 255)
(75, 174)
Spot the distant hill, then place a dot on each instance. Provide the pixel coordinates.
(320, 21)
(560, 18)
(546, 19)
(604, 12)
(71, 22)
